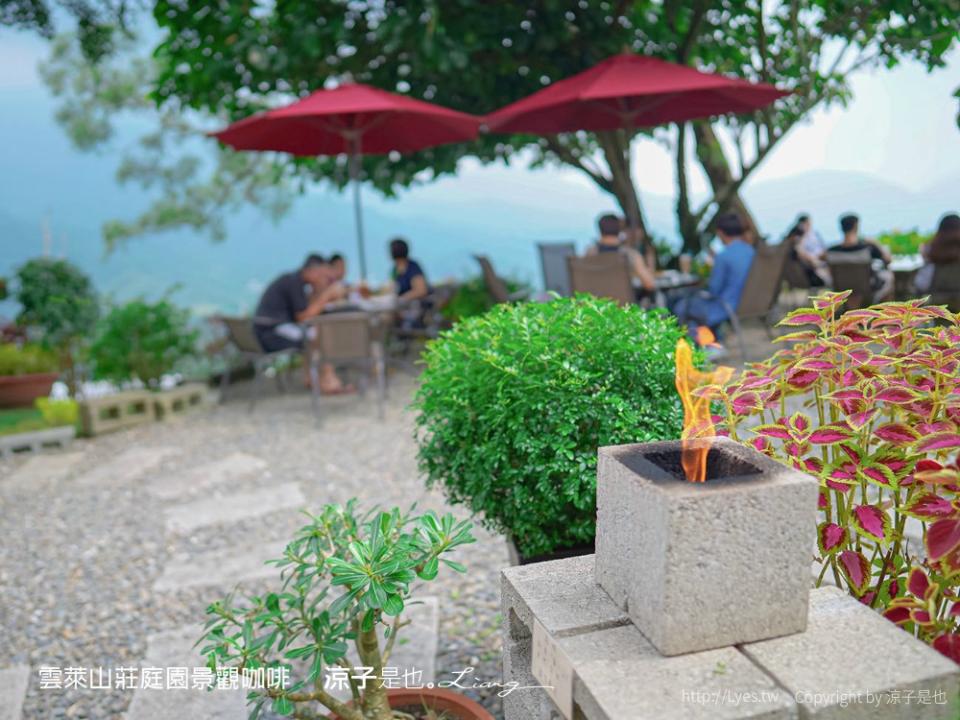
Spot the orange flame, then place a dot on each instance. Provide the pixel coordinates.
(696, 390)
(705, 337)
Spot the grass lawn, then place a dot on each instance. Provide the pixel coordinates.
(18, 420)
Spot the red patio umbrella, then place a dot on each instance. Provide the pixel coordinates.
(353, 119)
(630, 91)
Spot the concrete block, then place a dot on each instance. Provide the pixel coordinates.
(178, 401)
(704, 565)
(621, 676)
(234, 466)
(37, 440)
(14, 682)
(115, 412)
(562, 594)
(852, 664)
(233, 507)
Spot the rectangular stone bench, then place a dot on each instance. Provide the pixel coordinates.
(37, 440)
(849, 664)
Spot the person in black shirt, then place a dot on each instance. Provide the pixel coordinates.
(411, 283)
(882, 278)
(293, 298)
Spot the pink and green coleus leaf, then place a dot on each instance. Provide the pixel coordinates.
(857, 420)
(830, 434)
(881, 475)
(938, 441)
(928, 506)
(897, 614)
(943, 537)
(778, 431)
(919, 585)
(871, 522)
(830, 537)
(856, 570)
(897, 394)
(949, 646)
(896, 434)
(802, 316)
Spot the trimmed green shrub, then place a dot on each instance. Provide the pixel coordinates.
(514, 404)
(906, 242)
(142, 340)
(57, 413)
(26, 360)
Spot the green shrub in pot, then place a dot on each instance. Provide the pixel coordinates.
(513, 405)
(142, 340)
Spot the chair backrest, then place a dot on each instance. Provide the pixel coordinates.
(553, 260)
(495, 286)
(240, 332)
(852, 271)
(795, 274)
(945, 287)
(764, 279)
(604, 275)
(343, 336)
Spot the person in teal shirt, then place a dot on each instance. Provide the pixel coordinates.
(729, 275)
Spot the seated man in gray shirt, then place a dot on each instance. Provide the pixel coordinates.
(286, 303)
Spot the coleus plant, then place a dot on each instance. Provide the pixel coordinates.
(878, 392)
(345, 580)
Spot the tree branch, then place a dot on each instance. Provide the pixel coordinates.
(570, 157)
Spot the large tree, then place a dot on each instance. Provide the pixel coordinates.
(230, 59)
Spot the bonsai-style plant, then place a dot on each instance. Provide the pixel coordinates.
(142, 340)
(346, 579)
(514, 404)
(880, 428)
(58, 303)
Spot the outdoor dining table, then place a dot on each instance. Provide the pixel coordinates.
(674, 280)
(904, 270)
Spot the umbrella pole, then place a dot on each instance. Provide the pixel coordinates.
(355, 158)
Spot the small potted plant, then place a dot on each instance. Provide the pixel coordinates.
(27, 372)
(345, 581)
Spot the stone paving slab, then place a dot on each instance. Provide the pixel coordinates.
(43, 468)
(130, 465)
(175, 648)
(235, 466)
(231, 508)
(220, 568)
(13, 687)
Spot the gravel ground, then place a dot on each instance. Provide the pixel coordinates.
(77, 563)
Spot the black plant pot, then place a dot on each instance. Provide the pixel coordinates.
(518, 558)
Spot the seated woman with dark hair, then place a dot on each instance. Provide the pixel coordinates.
(943, 249)
(411, 283)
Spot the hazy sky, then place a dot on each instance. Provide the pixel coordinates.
(900, 125)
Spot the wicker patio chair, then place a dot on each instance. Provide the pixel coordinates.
(945, 288)
(605, 275)
(353, 340)
(553, 261)
(853, 271)
(495, 285)
(247, 347)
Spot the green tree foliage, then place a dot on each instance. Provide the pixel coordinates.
(231, 59)
(58, 303)
(514, 404)
(142, 340)
(98, 22)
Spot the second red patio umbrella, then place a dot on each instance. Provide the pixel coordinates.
(352, 119)
(630, 91)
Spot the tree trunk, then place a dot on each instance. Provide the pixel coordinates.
(616, 151)
(717, 168)
(375, 703)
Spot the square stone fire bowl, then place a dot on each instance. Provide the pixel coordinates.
(705, 565)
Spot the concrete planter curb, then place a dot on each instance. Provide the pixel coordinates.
(118, 411)
(168, 404)
(37, 440)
